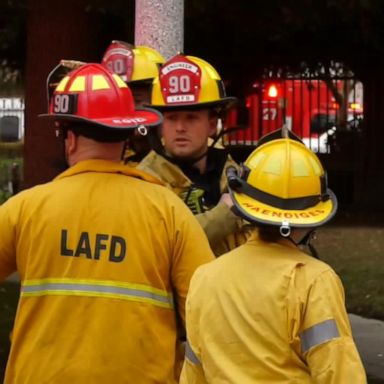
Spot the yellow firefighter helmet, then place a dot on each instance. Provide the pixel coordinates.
(132, 63)
(282, 183)
(187, 82)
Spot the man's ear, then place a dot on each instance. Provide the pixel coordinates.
(213, 126)
(71, 142)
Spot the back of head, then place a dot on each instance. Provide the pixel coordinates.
(97, 104)
(188, 82)
(282, 184)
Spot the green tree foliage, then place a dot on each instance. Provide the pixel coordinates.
(12, 46)
(284, 31)
(244, 32)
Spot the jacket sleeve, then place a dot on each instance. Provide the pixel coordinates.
(218, 223)
(325, 336)
(191, 249)
(192, 372)
(7, 243)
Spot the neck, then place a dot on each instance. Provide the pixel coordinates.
(201, 164)
(87, 149)
(297, 234)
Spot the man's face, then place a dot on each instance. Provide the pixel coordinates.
(185, 133)
(141, 94)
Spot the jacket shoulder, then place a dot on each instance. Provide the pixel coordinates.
(169, 173)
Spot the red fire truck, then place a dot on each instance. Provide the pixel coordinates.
(312, 108)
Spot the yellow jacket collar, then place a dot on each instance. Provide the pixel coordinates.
(171, 174)
(168, 172)
(255, 238)
(105, 166)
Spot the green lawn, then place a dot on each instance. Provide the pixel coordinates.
(357, 255)
(354, 247)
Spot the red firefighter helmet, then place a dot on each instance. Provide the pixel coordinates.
(91, 94)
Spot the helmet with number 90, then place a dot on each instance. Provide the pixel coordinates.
(92, 95)
(188, 82)
(132, 63)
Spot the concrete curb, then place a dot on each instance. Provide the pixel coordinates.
(369, 338)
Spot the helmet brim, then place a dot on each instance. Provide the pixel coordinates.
(140, 116)
(224, 103)
(254, 211)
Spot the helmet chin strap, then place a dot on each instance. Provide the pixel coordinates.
(61, 163)
(306, 241)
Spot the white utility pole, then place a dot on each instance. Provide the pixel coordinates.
(159, 24)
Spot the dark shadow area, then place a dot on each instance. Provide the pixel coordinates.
(9, 295)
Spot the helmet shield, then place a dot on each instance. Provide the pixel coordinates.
(132, 63)
(119, 59)
(58, 73)
(187, 82)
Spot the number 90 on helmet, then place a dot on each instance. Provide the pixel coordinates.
(132, 63)
(188, 82)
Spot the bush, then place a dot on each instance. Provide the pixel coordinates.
(4, 196)
(11, 150)
(11, 163)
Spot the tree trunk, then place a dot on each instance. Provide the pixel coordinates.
(160, 25)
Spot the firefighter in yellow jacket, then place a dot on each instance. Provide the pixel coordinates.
(104, 253)
(191, 95)
(267, 312)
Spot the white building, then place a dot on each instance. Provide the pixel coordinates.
(11, 119)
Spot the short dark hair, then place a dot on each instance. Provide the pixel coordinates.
(268, 233)
(95, 132)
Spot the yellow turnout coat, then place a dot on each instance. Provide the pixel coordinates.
(105, 259)
(268, 313)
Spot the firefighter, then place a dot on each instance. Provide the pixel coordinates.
(191, 95)
(279, 313)
(104, 253)
(137, 66)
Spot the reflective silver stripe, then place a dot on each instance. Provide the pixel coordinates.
(318, 334)
(190, 355)
(96, 290)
